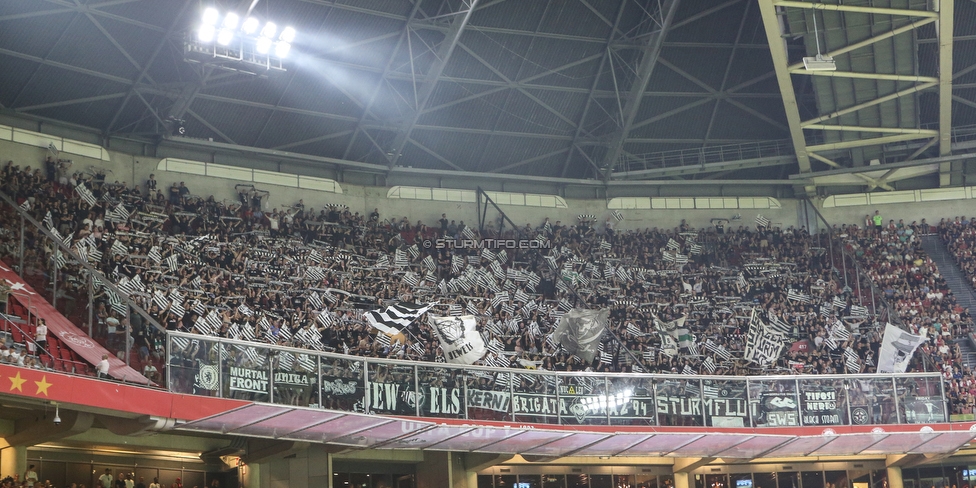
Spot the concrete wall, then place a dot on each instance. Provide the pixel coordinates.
(128, 168)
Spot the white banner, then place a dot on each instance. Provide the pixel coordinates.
(461, 343)
(897, 349)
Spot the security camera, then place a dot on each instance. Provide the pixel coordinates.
(57, 416)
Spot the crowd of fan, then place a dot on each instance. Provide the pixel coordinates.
(303, 277)
(912, 285)
(31, 479)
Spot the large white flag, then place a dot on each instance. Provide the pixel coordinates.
(897, 349)
(461, 343)
(763, 344)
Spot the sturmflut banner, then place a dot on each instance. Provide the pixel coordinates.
(460, 341)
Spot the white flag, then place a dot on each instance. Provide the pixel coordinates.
(461, 343)
(897, 348)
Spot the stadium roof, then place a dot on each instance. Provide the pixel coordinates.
(586, 89)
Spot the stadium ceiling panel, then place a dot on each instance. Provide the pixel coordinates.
(379, 432)
(592, 89)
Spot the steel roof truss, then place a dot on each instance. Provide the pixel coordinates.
(945, 25)
(91, 9)
(649, 58)
(443, 55)
(777, 48)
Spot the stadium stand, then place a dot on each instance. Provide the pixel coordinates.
(302, 277)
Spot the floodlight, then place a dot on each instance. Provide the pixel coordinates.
(288, 35)
(819, 63)
(282, 48)
(269, 30)
(206, 33)
(250, 25)
(225, 36)
(263, 45)
(231, 20)
(211, 16)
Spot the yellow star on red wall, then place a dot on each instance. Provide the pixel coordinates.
(16, 382)
(42, 386)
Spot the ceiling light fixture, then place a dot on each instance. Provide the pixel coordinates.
(818, 62)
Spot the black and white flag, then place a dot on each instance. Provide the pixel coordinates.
(315, 300)
(762, 221)
(797, 296)
(616, 215)
(395, 317)
(673, 244)
(763, 346)
(579, 331)
(709, 365)
(461, 343)
(48, 220)
(852, 361)
(86, 195)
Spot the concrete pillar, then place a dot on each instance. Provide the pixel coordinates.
(894, 477)
(13, 460)
(683, 480)
(436, 470)
(252, 476)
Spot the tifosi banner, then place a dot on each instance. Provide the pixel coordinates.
(821, 407)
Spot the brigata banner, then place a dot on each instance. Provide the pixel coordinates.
(441, 401)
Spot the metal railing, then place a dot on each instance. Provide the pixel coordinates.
(228, 368)
(705, 155)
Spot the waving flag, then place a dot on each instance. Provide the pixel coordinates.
(395, 317)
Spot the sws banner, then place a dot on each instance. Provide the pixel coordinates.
(780, 409)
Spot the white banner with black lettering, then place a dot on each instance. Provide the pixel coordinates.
(461, 343)
(897, 348)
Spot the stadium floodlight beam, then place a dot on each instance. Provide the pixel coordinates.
(225, 36)
(282, 48)
(263, 45)
(288, 35)
(250, 26)
(211, 16)
(206, 33)
(231, 20)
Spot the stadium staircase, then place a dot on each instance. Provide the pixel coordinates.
(956, 279)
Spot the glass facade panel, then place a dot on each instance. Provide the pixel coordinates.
(553, 481)
(529, 481)
(823, 402)
(679, 402)
(535, 398)
(601, 481)
(441, 392)
(787, 480)
(342, 386)
(295, 378)
(812, 479)
(646, 481)
(632, 401)
(194, 366)
(775, 403)
(920, 401)
(837, 479)
(488, 395)
(764, 480)
(725, 402)
(246, 372)
(740, 480)
(392, 390)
